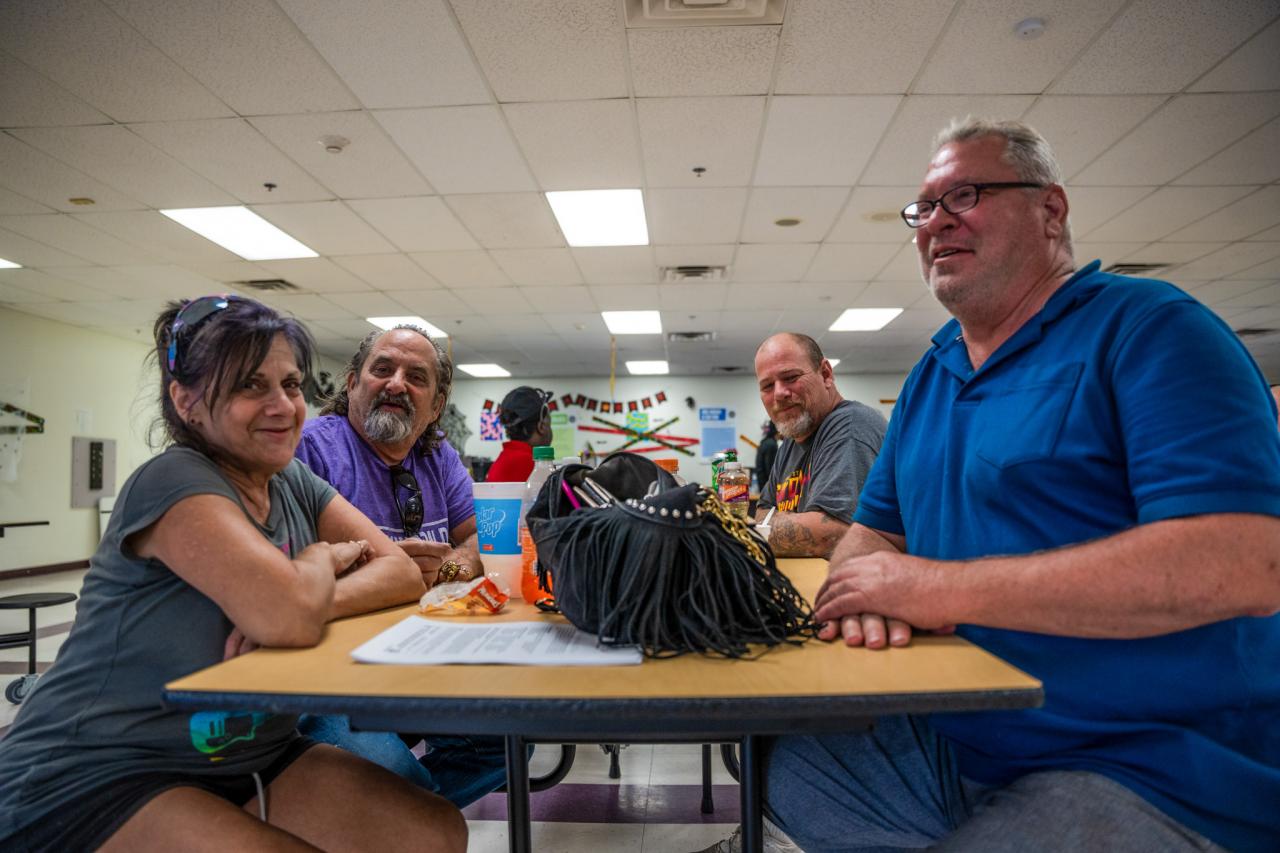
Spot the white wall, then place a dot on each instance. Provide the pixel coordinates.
(67, 370)
(738, 393)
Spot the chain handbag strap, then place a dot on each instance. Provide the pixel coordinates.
(733, 525)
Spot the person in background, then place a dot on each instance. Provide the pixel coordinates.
(766, 453)
(525, 417)
(377, 443)
(220, 543)
(829, 446)
(1082, 475)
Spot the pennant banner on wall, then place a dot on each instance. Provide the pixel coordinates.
(591, 404)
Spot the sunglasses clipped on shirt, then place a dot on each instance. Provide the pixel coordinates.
(410, 509)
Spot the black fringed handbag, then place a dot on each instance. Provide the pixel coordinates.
(638, 561)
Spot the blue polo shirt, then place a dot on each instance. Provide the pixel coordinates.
(1122, 402)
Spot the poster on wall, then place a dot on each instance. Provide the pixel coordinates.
(563, 435)
(638, 421)
(719, 430)
(490, 427)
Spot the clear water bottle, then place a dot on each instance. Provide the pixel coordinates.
(543, 465)
(735, 488)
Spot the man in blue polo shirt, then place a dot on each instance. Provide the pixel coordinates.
(1082, 475)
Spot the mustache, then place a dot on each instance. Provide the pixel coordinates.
(401, 400)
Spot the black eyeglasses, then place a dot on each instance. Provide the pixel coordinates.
(957, 200)
(188, 317)
(411, 509)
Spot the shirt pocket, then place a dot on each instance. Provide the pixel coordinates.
(1022, 423)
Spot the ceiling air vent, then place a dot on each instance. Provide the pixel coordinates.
(693, 272)
(1135, 269)
(1254, 332)
(689, 337)
(704, 13)
(269, 284)
(728, 368)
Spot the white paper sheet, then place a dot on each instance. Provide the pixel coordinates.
(439, 641)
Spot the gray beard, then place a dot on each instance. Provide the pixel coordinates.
(800, 425)
(388, 427)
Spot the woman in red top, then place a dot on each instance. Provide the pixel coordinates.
(525, 417)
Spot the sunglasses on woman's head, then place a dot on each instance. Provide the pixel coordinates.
(188, 317)
(410, 509)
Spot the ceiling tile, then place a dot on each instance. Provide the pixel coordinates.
(29, 99)
(1249, 215)
(558, 299)
(71, 313)
(63, 232)
(119, 158)
(37, 286)
(90, 51)
(1218, 294)
(11, 203)
(904, 266)
(1161, 46)
(319, 275)
(807, 320)
(1167, 253)
(851, 261)
(980, 52)
(772, 261)
(888, 294)
(815, 207)
(1270, 235)
(154, 281)
(1251, 68)
(1109, 253)
(694, 215)
(1165, 211)
(493, 299)
(387, 272)
(305, 306)
(550, 50)
(508, 220)
(632, 297)
(538, 266)
(826, 50)
(227, 271)
(1236, 258)
(327, 227)
(1179, 135)
(695, 255)
(677, 301)
(821, 141)
(702, 60)
(904, 151)
(231, 153)
(32, 253)
(371, 166)
(38, 176)
(353, 329)
(421, 224)
(1091, 206)
(720, 135)
(577, 145)
(1252, 160)
(367, 304)
(873, 215)
(616, 264)
(1269, 270)
(579, 328)
(257, 63)
(777, 296)
(1080, 127)
(462, 269)
(460, 149)
(394, 53)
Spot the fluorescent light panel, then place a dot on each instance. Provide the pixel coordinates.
(392, 322)
(484, 371)
(238, 229)
(633, 322)
(864, 319)
(647, 368)
(9, 265)
(601, 217)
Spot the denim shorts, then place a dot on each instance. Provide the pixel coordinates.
(87, 822)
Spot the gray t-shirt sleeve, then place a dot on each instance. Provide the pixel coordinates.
(311, 490)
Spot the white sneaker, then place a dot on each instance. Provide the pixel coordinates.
(775, 841)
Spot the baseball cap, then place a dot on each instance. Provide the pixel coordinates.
(523, 404)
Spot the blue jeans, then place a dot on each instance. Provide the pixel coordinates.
(898, 786)
(460, 769)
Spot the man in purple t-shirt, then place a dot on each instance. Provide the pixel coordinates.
(377, 443)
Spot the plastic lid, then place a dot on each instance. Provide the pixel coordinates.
(546, 452)
(732, 466)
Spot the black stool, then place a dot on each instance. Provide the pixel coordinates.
(18, 689)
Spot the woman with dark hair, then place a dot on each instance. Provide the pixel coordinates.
(220, 543)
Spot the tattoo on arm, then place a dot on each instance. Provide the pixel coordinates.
(805, 534)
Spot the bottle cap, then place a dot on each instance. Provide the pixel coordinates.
(545, 452)
(732, 466)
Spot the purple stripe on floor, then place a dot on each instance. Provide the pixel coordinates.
(574, 803)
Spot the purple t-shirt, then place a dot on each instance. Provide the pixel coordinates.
(335, 451)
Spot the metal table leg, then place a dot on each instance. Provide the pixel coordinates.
(518, 828)
(708, 803)
(749, 790)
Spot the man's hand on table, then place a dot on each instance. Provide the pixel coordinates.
(873, 600)
(428, 556)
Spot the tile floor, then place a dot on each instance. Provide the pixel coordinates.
(652, 808)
